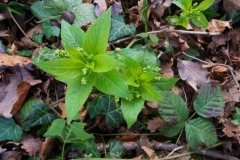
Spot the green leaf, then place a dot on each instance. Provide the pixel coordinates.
(104, 63)
(164, 84)
(113, 83)
(38, 10)
(96, 106)
(78, 129)
(24, 53)
(54, 7)
(36, 37)
(56, 128)
(131, 67)
(35, 113)
(182, 21)
(143, 35)
(149, 93)
(17, 8)
(50, 30)
(236, 119)
(84, 12)
(96, 38)
(45, 54)
(204, 5)
(65, 69)
(131, 109)
(90, 147)
(183, 4)
(153, 38)
(71, 35)
(172, 19)
(144, 11)
(200, 131)
(77, 94)
(210, 13)
(119, 29)
(74, 53)
(116, 149)
(173, 110)
(200, 20)
(209, 102)
(9, 130)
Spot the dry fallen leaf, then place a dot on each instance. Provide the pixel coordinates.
(47, 147)
(11, 155)
(8, 60)
(231, 6)
(231, 94)
(31, 145)
(218, 26)
(151, 153)
(100, 7)
(192, 73)
(62, 106)
(154, 124)
(232, 130)
(158, 7)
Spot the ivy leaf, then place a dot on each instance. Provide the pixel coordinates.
(78, 129)
(71, 35)
(84, 12)
(34, 113)
(96, 106)
(9, 130)
(38, 10)
(200, 20)
(96, 38)
(183, 4)
(173, 110)
(45, 54)
(54, 7)
(50, 30)
(113, 83)
(77, 94)
(204, 5)
(65, 69)
(119, 29)
(116, 149)
(90, 147)
(209, 102)
(104, 63)
(131, 109)
(200, 131)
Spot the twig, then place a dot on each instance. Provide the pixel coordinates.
(166, 31)
(171, 147)
(215, 64)
(58, 101)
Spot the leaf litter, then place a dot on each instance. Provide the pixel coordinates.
(19, 79)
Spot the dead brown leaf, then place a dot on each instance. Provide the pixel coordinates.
(192, 73)
(116, 7)
(154, 124)
(47, 147)
(151, 153)
(153, 105)
(31, 145)
(158, 7)
(218, 26)
(166, 69)
(231, 6)
(232, 130)
(11, 155)
(231, 94)
(100, 7)
(8, 60)
(62, 106)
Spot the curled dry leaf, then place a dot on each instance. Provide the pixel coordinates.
(31, 145)
(62, 106)
(232, 130)
(46, 148)
(158, 7)
(100, 7)
(154, 124)
(218, 26)
(192, 73)
(116, 8)
(151, 153)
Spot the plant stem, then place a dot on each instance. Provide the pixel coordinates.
(20, 28)
(52, 17)
(191, 116)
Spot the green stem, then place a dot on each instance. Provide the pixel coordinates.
(191, 117)
(20, 27)
(52, 17)
(63, 150)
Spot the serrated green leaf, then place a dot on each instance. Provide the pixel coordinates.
(50, 30)
(236, 119)
(38, 10)
(200, 20)
(204, 5)
(54, 7)
(209, 102)
(149, 93)
(164, 84)
(131, 109)
(71, 35)
(153, 38)
(9, 130)
(200, 131)
(56, 128)
(35, 113)
(170, 130)
(84, 12)
(119, 29)
(96, 38)
(116, 149)
(104, 63)
(183, 4)
(77, 94)
(78, 129)
(45, 54)
(113, 83)
(74, 53)
(173, 110)
(131, 67)
(65, 69)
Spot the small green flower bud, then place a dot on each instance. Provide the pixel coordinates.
(84, 81)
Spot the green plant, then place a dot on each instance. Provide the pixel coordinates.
(199, 131)
(191, 11)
